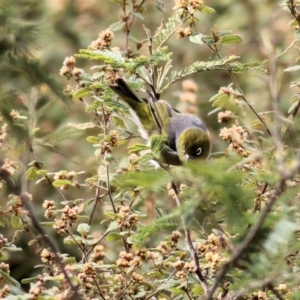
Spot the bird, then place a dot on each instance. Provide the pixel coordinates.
(187, 138)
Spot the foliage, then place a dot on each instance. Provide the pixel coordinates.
(122, 225)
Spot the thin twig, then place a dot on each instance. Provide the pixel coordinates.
(193, 253)
(97, 198)
(79, 246)
(288, 48)
(113, 205)
(16, 190)
(51, 245)
(109, 191)
(161, 287)
(99, 289)
(257, 284)
(238, 87)
(128, 24)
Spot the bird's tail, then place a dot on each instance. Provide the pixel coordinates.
(123, 90)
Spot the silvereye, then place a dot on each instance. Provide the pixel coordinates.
(187, 136)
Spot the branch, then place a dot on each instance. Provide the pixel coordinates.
(253, 230)
(16, 190)
(193, 253)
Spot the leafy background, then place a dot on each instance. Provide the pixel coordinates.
(35, 38)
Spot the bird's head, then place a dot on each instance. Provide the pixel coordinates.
(193, 143)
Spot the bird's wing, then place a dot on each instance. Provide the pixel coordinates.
(161, 111)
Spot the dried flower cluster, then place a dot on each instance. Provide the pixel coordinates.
(187, 7)
(37, 289)
(3, 241)
(87, 275)
(8, 168)
(50, 210)
(172, 193)
(68, 218)
(16, 206)
(126, 219)
(69, 70)
(4, 292)
(47, 256)
(235, 136)
(211, 252)
(98, 254)
(226, 116)
(3, 134)
(70, 176)
(112, 140)
(184, 32)
(104, 40)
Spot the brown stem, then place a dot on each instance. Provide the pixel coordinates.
(188, 239)
(254, 230)
(97, 198)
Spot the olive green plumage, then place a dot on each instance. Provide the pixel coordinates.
(187, 136)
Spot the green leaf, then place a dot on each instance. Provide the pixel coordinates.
(60, 182)
(93, 139)
(42, 172)
(8, 279)
(119, 122)
(113, 236)
(197, 290)
(4, 222)
(12, 248)
(82, 92)
(137, 148)
(83, 229)
(206, 9)
(96, 76)
(89, 242)
(231, 39)
(139, 16)
(16, 222)
(73, 240)
(69, 260)
(225, 101)
(112, 226)
(150, 179)
(133, 39)
(162, 35)
(47, 223)
(117, 26)
(29, 280)
(201, 66)
(140, 237)
(197, 38)
(31, 173)
(224, 32)
(171, 283)
(160, 5)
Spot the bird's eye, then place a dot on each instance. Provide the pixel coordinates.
(199, 151)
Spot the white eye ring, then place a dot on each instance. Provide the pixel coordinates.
(199, 151)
